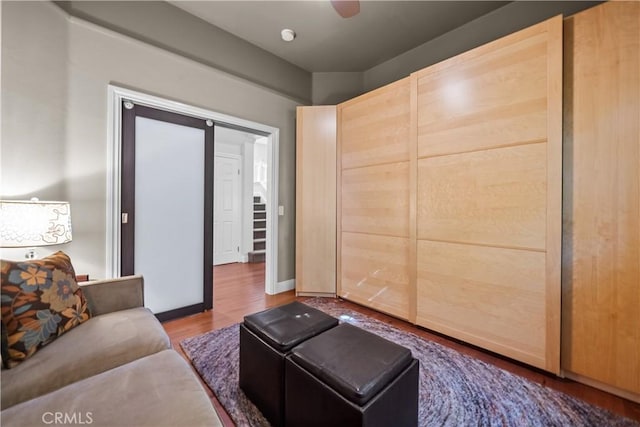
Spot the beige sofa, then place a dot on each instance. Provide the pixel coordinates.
(116, 369)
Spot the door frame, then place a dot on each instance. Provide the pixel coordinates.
(116, 95)
(241, 207)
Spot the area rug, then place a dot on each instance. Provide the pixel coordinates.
(455, 389)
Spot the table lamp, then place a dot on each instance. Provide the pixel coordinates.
(33, 223)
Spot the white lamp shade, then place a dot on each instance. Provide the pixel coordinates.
(26, 224)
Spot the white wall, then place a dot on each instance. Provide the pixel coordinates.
(260, 172)
(247, 191)
(228, 148)
(55, 73)
(34, 98)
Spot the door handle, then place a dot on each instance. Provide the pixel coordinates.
(125, 218)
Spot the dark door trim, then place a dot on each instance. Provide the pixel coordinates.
(127, 202)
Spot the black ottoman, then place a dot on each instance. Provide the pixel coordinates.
(265, 340)
(350, 377)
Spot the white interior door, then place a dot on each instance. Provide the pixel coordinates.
(227, 212)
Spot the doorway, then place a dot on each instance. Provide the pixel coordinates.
(242, 236)
(116, 96)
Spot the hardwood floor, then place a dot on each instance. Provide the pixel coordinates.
(239, 290)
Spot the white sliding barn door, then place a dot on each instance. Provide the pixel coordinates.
(167, 213)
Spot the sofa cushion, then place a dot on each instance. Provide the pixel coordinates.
(157, 390)
(41, 300)
(102, 343)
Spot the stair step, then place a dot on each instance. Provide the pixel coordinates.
(258, 251)
(257, 256)
(259, 229)
(259, 240)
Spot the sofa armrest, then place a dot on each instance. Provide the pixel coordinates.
(107, 296)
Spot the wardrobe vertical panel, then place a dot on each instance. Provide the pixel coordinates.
(316, 200)
(488, 193)
(374, 199)
(601, 245)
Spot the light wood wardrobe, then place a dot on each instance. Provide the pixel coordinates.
(460, 207)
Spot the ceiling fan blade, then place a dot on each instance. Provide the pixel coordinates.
(346, 8)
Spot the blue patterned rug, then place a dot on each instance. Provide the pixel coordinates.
(455, 389)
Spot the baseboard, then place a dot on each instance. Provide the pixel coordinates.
(634, 397)
(316, 294)
(287, 285)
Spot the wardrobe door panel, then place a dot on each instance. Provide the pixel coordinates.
(375, 127)
(375, 272)
(491, 100)
(316, 201)
(493, 197)
(375, 199)
(485, 296)
(489, 149)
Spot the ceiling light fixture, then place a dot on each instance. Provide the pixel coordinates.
(288, 35)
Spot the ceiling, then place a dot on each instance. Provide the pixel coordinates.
(325, 41)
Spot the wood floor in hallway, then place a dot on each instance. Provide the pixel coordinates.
(239, 290)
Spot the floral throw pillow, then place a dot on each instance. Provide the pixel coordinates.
(41, 300)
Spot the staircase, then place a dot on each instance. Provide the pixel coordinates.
(259, 230)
